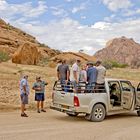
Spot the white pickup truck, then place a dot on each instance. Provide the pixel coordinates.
(97, 103)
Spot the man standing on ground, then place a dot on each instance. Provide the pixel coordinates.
(24, 92)
(91, 76)
(39, 87)
(63, 73)
(101, 75)
(75, 72)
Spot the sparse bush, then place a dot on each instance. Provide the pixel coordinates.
(116, 64)
(43, 45)
(43, 61)
(109, 64)
(4, 56)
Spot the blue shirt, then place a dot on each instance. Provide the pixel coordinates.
(92, 75)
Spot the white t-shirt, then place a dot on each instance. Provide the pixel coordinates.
(75, 68)
(24, 82)
(101, 74)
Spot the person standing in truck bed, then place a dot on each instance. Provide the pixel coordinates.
(91, 77)
(63, 73)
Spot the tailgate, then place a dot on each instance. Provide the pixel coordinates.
(63, 98)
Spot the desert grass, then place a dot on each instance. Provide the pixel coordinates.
(125, 73)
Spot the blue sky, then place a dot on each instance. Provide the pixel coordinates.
(72, 25)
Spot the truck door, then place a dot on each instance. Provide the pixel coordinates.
(138, 95)
(127, 94)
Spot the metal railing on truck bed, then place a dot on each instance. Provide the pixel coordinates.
(81, 87)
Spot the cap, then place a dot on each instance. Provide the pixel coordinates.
(25, 76)
(78, 60)
(38, 77)
(98, 62)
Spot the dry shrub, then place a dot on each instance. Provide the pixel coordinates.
(52, 64)
(4, 56)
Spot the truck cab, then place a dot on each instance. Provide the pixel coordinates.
(114, 97)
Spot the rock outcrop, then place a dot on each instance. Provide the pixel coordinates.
(70, 57)
(122, 50)
(12, 38)
(26, 54)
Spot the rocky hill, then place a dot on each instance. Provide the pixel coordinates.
(25, 49)
(11, 39)
(122, 50)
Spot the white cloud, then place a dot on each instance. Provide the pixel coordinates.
(79, 8)
(115, 5)
(36, 11)
(70, 35)
(69, 0)
(58, 11)
(132, 12)
(101, 25)
(24, 10)
(83, 17)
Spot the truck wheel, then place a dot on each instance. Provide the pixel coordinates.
(98, 113)
(138, 112)
(72, 115)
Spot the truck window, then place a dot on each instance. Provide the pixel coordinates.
(111, 83)
(115, 93)
(126, 86)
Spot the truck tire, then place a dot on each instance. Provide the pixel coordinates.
(98, 113)
(72, 115)
(138, 112)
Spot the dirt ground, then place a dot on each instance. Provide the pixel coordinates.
(54, 125)
(10, 75)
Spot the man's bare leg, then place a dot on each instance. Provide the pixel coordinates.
(38, 103)
(42, 106)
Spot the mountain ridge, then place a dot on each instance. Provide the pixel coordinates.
(123, 50)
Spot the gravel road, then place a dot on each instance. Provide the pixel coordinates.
(54, 125)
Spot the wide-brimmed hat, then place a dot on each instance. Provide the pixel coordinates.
(90, 63)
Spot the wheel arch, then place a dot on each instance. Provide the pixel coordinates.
(99, 102)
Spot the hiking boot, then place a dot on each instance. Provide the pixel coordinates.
(38, 111)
